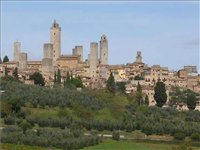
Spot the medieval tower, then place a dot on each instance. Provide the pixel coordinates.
(17, 50)
(55, 39)
(103, 50)
(139, 57)
(78, 50)
(93, 59)
(47, 61)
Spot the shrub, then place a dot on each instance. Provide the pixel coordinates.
(116, 136)
(9, 120)
(195, 136)
(179, 136)
(25, 125)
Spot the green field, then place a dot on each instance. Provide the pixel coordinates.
(131, 145)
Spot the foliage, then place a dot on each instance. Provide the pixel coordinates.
(116, 135)
(179, 136)
(147, 100)
(77, 82)
(15, 73)
(38, 78)
(138, 78)
(44, 96)
(110, 84)
(139, 94)
(9, 120)
(191, 100)
(160, 95)
(58, 77)
(25, 125)
(68, 139)
(121, 86)
(5, 59)
(195, 136)
(6, 71)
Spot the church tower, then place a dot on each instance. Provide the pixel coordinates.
(103, 50)
(139, 57)
(55, 39)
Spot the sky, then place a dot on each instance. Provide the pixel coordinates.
(167, 33)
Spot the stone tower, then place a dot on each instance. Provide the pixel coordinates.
(17, 50)
(103, 50)
(78, 50)
(55, 39)
(47, 61)
(23, 61)
(93, 59)
(139, 57)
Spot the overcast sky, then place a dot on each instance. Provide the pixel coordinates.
(167, 33)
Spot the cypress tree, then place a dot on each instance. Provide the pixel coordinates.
(5, 59)
(139, 94)
(111, 83)
(160, 95)
(15, 74)
(55, 79)
(58, 76)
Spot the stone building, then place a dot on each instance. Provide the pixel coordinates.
(78, 50)
(17, 50)
(139, 57)
(104, 50)
(55, 40)
(93, 59)
(47, 61)
(23, 59)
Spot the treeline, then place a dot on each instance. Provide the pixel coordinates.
(39, 96)
(66, 139)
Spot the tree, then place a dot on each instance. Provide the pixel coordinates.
(77, 82)
(15, 73)
(38, 79)
(121, 86)
(55, 79)
(138, 78)
(147, 100)
(5, 59)
(160, 95)
(111, 83)
(0, 61)
(6, 71)
(67, 82)
(191, 100)
(139, 94)
(116, 135)
(58, 77)
(25, 125)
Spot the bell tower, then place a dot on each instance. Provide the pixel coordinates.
(55, 40)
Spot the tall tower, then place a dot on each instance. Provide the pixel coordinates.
(139, 57)
(78, 50)
(93, 59)
(17, 50)
(103, 50)
(55, 39)
(47, 61)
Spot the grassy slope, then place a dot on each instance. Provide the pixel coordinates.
(130, 145)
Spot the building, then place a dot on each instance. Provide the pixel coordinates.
(104, 50)
(55, 40)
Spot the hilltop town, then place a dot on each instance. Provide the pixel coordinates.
(95, 70)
